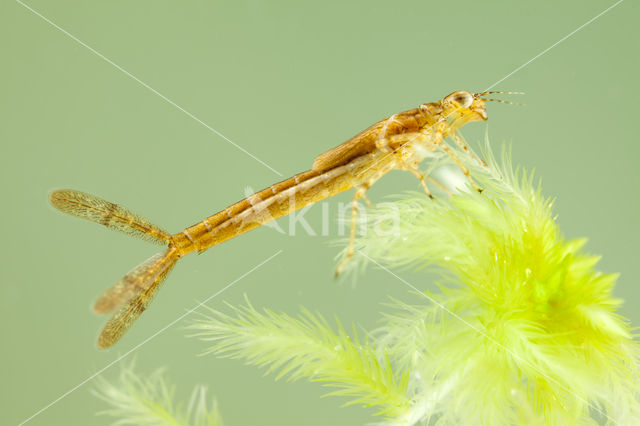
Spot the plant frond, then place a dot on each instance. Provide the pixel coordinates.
(529, 331)
(149, 401)
(307, 347)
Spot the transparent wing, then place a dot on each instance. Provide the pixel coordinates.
(124, 317)
(133, 283)
(113, 216)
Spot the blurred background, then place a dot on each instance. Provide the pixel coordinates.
(284, 80)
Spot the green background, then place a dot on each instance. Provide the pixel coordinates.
(286, 81)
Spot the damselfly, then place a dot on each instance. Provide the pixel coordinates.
(400, 141)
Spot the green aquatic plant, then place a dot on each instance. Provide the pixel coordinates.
(527, 332)
(149, 401)
(308, 347)
(524, 332)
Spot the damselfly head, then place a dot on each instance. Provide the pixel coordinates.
(464, 107)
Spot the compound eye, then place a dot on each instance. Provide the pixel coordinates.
(463, 99)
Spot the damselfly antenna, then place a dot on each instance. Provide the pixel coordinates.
(498, 93)
(502, 101)
(479, 96)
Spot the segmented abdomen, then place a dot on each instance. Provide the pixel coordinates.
(279, 200)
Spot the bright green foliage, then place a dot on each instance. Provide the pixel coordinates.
(150, 401)
(307, 347)
(525, 333)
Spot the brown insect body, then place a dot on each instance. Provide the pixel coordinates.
(397, 142)
(361, 160)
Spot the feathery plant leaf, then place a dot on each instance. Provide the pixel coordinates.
(307, 347)
(149, 401)
(528, 334)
